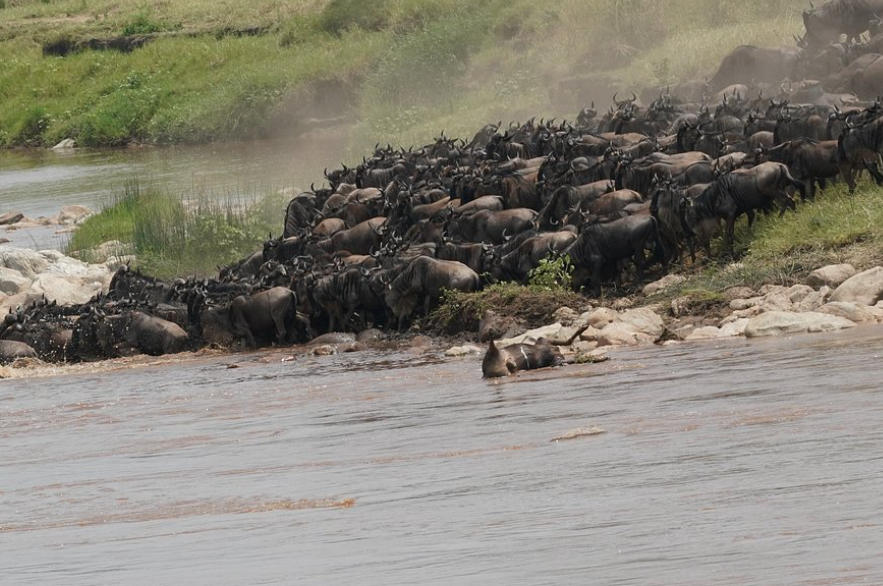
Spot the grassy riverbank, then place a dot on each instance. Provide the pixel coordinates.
(399, 71)
(170, 237)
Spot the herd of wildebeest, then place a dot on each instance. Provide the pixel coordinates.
(636, 186)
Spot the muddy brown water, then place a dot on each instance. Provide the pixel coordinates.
(731, 464)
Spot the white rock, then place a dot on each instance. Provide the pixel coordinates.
(743, 304)
(734, 328)
(623, 334)
(664, 283)
(798, 293)
(644, 320)
(565, 315)
(64, 290)
(583, 347)
(865, 288)
(705, 333)
(830, 276)
(11, 281)
(852, 311)
(814, 300)
(27, 262)
(771, 289)
(70, 215)
(530, 337)
(65, 144)
(602, 316)
(463, 350)
(780, 323)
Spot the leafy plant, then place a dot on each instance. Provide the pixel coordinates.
(553, 274)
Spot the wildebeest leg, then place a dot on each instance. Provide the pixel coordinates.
(846, 171)
(731, 233)
(640, 260)
(874, 170)
(750, 214)
(426, 305)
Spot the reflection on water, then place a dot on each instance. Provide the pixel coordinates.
(738, 463)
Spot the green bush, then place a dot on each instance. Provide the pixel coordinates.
(142, 24)
(554, 274)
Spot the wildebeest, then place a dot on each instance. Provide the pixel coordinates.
(748, 64)
(424, 280)
(263, 318)
(499, 362)
(850, 17)
(603, 246)
(742, 192)
(11, 350)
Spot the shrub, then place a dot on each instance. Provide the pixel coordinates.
(553, 274)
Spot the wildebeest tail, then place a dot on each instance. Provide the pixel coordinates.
(659, 253)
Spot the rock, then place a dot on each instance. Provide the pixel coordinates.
(830, 276)
(623, 303)
(65, 144)
(768, 290)
(664, 283)
(5, 240)
(623, 334)
(590, 334)
(602, 316)
(64, 290)
(463, 350)
(555, 331)
(705, 333)
(109, 249)
(798, 293)
(11, 351)
(865, 288)
(565, 316)
(684, 331)
(853, 312)
(70, 215)
(11, 281)
(27, 262)
(11, 218)
(734, 328)
(743, 304)
(644, 320)
(734, 293)
(494, 326)
(780, 323)
(583, 347)
(420, 342)
(814, 300)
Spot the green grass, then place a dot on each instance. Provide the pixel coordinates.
(171, 237)
(835, 228)
(411, 67)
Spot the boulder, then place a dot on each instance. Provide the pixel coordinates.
(781, 323)
(814, 300)
(565, 316)
(64, 290)
(494, 326)
(602, 316)
(798, 293)
(623, 334)
(666, 282)
(705, 333)
(583, 347)
(853, 312)
(644, 320)
(70, 215)
(109, 249)
(830, 276)
(556, 334)
(11, 281)
(334, 338)
(65, 144)
(11, 351)
(27, 262)
(463, 350)
(865, 288)
(11, 218)
(734, 293)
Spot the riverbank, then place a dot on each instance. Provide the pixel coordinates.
(395, 72)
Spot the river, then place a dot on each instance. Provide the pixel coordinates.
(745, 462)
(38, 182)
